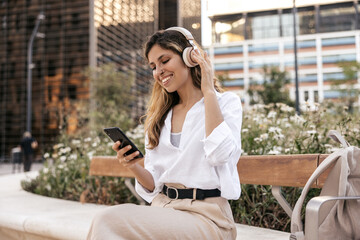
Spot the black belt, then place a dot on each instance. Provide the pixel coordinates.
(192, 193)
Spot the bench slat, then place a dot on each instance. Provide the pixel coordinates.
(277, 170)
(109, 166)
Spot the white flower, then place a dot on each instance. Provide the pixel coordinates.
(286, 108)
(63, 158)
(94, 144)
(46, 155)
(328, 146)
(257, 119)
(87, 139)
(257, 140)
(90, 154)
(48, 187)
(279, 136)
(297, 119)
(275, 130)
(65, 150)
(245, 130)
(73, 156)
(57, 146)
(76, 142)
(271, 114)
(60, 166)
(334, 149)
(311, 132)
(45, 170)
(275, 151)
(264, 136)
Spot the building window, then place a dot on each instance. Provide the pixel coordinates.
(168, 13)
(264, 25)
(30, 23)
(316, 96)
(51, 68)
(49, 93)
(230, 30)
(72, 91)
(17, 22)
(306, 96)
(38, 69)
(305, 21)
(337, 17)
(12, 70)
(75, 19)
(335, 59)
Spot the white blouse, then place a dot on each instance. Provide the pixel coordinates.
(199, 161)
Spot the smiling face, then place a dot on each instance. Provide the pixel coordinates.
(168, 68)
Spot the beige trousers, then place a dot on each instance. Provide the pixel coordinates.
(166, 219)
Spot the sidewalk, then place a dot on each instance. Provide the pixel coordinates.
(7, 168)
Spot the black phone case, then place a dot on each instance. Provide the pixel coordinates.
(116, 134)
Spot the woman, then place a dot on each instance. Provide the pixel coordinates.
(192, 149)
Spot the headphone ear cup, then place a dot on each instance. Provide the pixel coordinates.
(187, 57)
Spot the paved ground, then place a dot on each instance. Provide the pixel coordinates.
(8, 168)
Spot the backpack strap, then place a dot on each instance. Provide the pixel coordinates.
(296, 223)
(336, 136)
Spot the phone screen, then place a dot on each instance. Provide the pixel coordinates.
(117, 135)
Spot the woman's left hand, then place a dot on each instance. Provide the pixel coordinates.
(207, 73)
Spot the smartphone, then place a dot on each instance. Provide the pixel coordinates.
(117, 135)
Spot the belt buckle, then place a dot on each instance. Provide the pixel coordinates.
(175, 189)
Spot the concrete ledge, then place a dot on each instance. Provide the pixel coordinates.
(25, 215)
(38, 217)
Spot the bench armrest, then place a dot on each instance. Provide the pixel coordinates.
(312, 214)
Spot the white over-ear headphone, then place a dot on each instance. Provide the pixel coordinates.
(187, 51)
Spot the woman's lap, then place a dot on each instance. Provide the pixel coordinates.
(165, 219)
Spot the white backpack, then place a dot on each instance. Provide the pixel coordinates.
(335, 214)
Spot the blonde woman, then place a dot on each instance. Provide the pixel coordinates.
(192, 149)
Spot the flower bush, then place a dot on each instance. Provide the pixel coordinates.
(66, 171)
(267, 129)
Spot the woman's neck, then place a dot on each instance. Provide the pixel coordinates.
(190, 97)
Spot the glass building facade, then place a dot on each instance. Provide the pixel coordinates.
(326, 35)
(78, 34)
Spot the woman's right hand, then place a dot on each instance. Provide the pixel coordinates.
(142, 175)
(125, 160)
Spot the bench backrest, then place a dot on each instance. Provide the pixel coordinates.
(276, 170)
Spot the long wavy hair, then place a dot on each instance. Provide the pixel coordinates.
(162, 101)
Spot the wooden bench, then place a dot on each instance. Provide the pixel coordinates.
(275, 170)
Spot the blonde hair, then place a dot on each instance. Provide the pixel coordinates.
(162, 101)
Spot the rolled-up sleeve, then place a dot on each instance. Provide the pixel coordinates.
(224, 142)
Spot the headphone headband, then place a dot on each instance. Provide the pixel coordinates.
(184, 31)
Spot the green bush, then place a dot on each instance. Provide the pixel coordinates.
(267, 129)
